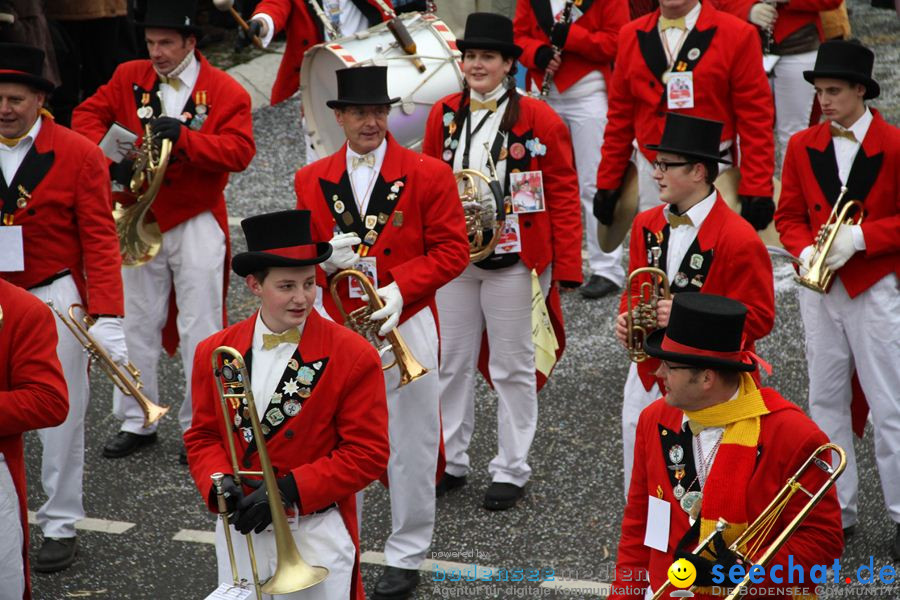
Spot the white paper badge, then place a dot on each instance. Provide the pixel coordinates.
(527, 189)
(680, 90)
(369, 266)
(12, 250)
(118, 143)
(659, 513)
(510, 238)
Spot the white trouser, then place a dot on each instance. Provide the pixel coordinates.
(322, 540)
(414, 430)
(585, 116)
(862, 332)
(62, 461)
(499, 301)
(192, 257)
(12, 571)
(636, 399)
(793, 95)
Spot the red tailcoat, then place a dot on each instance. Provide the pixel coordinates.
(67, 222)
(787, 437)
(335, 446)
(732, 262)
(791, 15)
(304, 29)
(724, 54)
(591, 45)
(33, 391)
(810, 186)
(421, 242)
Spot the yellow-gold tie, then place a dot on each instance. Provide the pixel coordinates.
(477, 105)
(678, 23)
(676, 220)
(844, 133)
(273, 340)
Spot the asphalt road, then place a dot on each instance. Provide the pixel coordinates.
(569, 520)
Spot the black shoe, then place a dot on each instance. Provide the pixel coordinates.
(502, 496)
(396, 583)
(448, 483)
(124, 443)
(182, 455)
(597, 287)
(849, 532)
(55, 555)
(895, 550)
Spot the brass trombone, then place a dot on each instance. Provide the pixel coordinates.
(819, 276)
(641, 310)
(358, 321)
(749, 542)
(479, 218)
(292, 573)
(126, 377)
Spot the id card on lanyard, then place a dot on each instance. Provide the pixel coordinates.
(680, 90)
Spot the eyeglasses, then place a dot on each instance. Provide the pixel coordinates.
(362, 112)
(663, 166)
(671, 368)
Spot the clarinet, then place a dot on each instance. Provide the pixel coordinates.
(567, 19)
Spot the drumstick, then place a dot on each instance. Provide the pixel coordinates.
(228, 6)
(401, 34)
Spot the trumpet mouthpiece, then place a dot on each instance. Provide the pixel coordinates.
(223, 5)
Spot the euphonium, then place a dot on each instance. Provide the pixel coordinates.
(640, 313)
(292, 573)
(483, 216)
(358, 321)
(139, 241)
(819, 276)
(749, 543)
(126, 377)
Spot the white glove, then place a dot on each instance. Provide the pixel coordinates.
(842, 249)
(342, 254)
(108, 332)
(393, 306)
(805, 257)
(763, 15)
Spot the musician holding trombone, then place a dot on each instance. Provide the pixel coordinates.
(319, 393)
(853, 324)
(717, 446)
(59, 243)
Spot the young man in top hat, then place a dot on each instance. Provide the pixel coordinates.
(855, 325)
(690, 58)
(396, 214)
(319, 393)
(699, 243)
(717, 446)
(32, 396)
(60, 243)
(206, 115)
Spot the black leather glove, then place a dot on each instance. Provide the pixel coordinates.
(724, 557)
(121, 172)
(245, 38)
(605, 205)
(559, 34)
(569, 285)
(253, 512)
(757, 210)
(542, 57)
(168, 128)
(232, 492)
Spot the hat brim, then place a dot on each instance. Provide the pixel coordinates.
(688, 154)
(342, 102)
(610, 237)
(245, 263)
(652, 346)
(872, 88)
(44, 85)
(488, 44)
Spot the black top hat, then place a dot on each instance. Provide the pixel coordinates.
(848, 60)
(279, 239)
(691, 137)
(180, 15)
(358, 86)
(705, 331)
(20, 63)
(488, 31)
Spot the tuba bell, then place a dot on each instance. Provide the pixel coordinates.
(819, 276)
(139, 241)
(358, 321)
(485, 216)
(641, 310)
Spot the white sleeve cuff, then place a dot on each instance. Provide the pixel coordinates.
(859, 241)
(270, 28)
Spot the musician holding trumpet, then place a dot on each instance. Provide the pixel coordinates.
(853, 324)
(59, 243)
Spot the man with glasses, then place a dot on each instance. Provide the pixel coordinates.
(701, 245)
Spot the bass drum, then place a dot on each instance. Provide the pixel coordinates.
(435, 47)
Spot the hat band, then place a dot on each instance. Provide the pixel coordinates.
(739, 356)
(16, 72)
(305, 252)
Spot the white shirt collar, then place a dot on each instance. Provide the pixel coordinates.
(261, 328)
(861, 127)
(189, 73)
(494, 94)
(699, 211)
(28, 139)
(379, 153)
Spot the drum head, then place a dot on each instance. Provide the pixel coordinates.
(611, 236)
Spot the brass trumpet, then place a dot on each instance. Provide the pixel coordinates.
(358, 321)
(481, 218)
(126, 377)
(748, 544)
(641, 310)
(819, 276)
(292, 573)
(139, 241)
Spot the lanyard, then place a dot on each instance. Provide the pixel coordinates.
(470, 133)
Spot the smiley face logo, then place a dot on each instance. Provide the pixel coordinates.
(682, 573)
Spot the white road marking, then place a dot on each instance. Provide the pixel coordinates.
(91, 524)
(195, 535)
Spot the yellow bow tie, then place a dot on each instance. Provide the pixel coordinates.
(273, 340)
(676, 220)
(844, 133)
(174, 82)
(365, 159)
(678, 23)
(477, 105)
